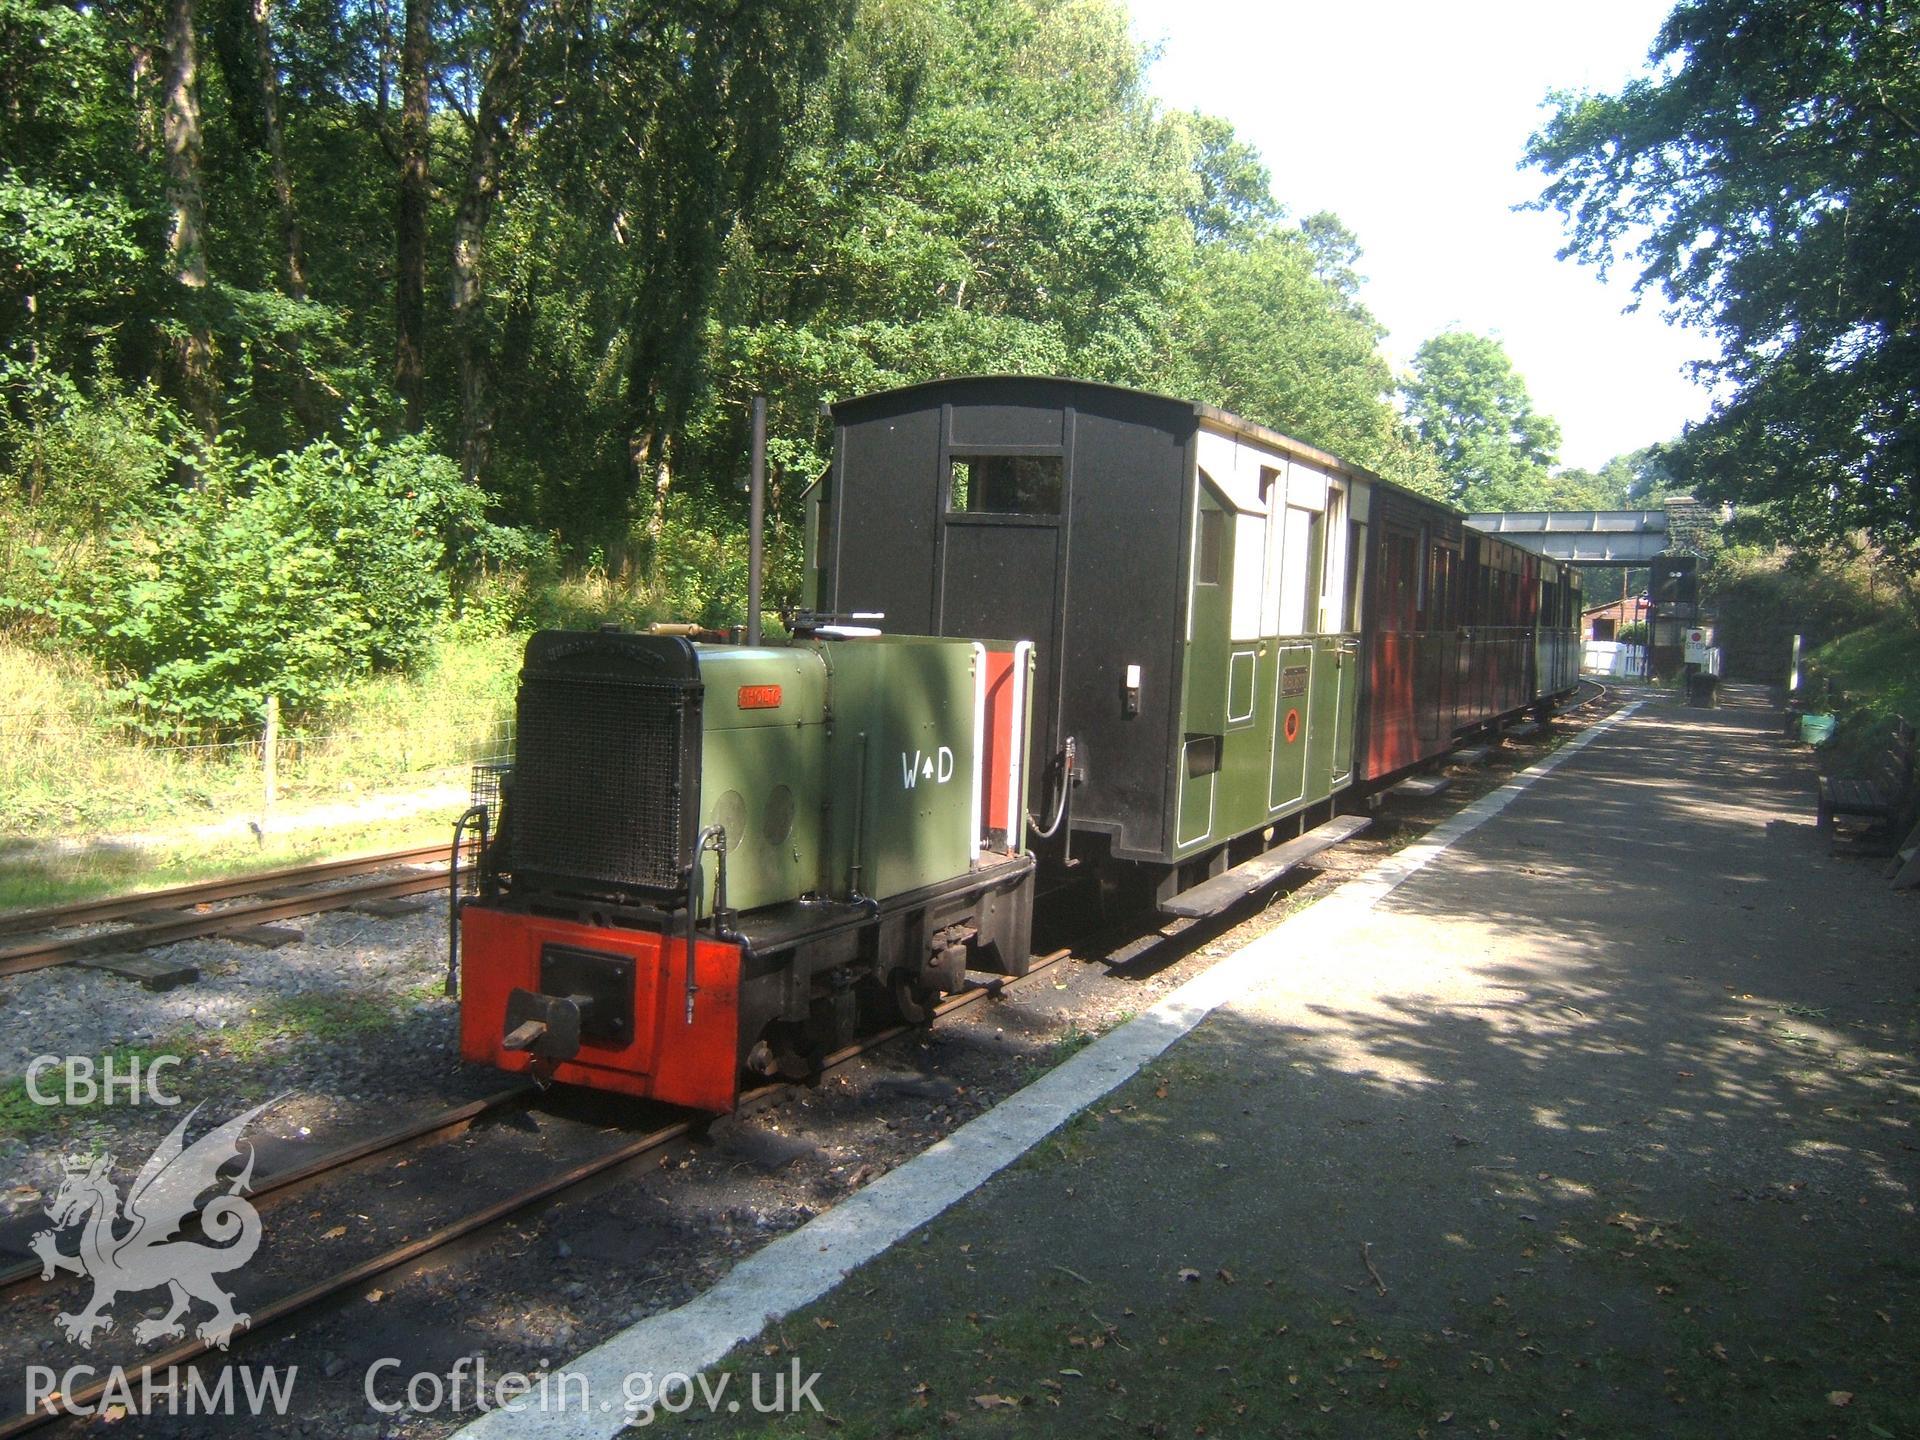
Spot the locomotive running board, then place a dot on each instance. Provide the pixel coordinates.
(1210, 897)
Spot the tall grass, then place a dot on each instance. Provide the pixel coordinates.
(67, 759)
(69, 764)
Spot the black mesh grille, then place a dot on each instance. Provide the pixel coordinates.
(484, 784)
(604, 788)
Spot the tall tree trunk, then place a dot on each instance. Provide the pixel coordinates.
(143, 63)
(186, 239)
(290, 246)
(499, 104)
(410, 220)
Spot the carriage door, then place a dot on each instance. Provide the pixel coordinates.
(1002, 539)
(1337, 605)
(1205, 701)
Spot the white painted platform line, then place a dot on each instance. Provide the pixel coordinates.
(805, 1264)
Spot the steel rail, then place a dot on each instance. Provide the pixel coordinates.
(57, 950)
(1600, 692)
(447, 1123)
(376, 1265)
(90, 912)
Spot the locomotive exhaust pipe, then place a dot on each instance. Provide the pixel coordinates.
(756, 516)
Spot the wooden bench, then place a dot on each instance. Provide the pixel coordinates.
(1882, 796)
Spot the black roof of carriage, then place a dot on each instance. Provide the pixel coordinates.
(1206, 414)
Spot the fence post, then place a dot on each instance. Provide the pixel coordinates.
(270, 750)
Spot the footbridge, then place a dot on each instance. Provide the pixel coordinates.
(1582, 537)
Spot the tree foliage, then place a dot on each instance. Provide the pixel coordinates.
(1467, 401)
(1762, 178)
(291, 576)
(321, 258)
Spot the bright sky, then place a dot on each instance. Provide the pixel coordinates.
(1407, 118)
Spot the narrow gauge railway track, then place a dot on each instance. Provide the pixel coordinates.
(161, 917)
(652, 1142)
(269, 1312)
(1575, 703)
(24, 1278)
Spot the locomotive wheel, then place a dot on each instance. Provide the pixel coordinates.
(784, 1053)
(911, 1000)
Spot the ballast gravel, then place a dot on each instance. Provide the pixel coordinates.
(346, 1023)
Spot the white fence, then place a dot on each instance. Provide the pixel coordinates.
(1610, 657)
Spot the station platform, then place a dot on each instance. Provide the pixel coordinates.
(1592, 1113)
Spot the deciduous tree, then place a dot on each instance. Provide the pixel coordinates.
(1467, 401)
(1762, 179)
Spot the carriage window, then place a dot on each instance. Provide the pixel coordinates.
(1399, 581)
(1006, 485)
(1206, 565)
(1333, 566)
(1249, 574)
(1356, 572)
(1299, 569)
(1436, 587)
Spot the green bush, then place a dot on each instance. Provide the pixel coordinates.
(293, 576)
(700, 565)
(71, 471)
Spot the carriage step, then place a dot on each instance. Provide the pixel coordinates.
(1210, 897)
(1471, 755)
(1422, 787)
(1525, 730)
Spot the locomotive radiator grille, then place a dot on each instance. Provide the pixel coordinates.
(484, 784)
(604, 781)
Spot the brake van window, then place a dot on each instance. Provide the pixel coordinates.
(1006, 485)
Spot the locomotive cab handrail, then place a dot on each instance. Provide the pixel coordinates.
(473, 818)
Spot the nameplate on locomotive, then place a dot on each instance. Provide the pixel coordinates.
(759, 697)
(1293, 680)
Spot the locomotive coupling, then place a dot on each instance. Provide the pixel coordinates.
(545, 1025)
